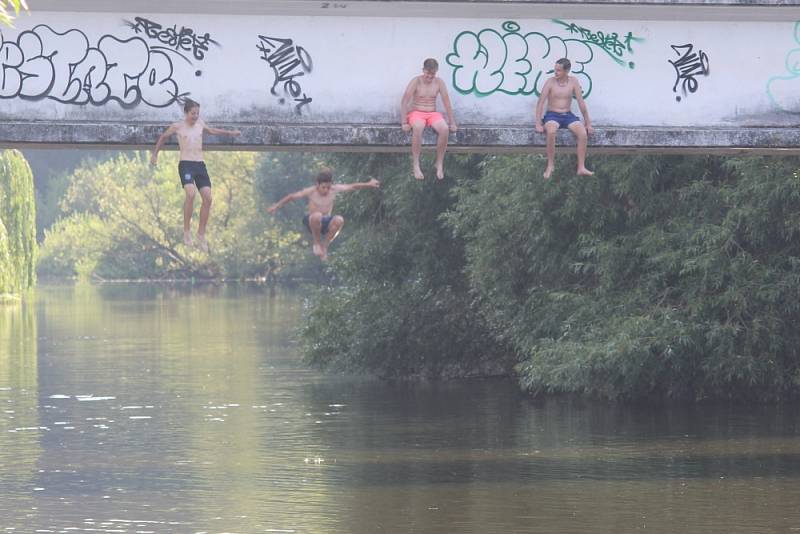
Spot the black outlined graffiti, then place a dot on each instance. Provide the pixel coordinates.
(688, 65)
(183, 40)
(288, 62)
(608, 42)
(513, 62)
(43, 63)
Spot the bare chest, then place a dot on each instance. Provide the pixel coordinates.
(190, 135)
(426, 91)
(561, 91)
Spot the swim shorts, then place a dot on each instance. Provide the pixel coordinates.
(326, 220)
(194, 172)
(428, 117)
(563, 119)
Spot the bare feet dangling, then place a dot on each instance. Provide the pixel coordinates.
(317, 248)
(583, 171)
(440, 172)
(187, 238)
(418, 174)
(548, 172)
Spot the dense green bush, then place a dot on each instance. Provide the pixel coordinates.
(401, 305)
(659, 277)
(17, 224)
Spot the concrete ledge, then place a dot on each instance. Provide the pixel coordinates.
(390, 138)
(690, 10)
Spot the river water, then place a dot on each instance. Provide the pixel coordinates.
(141, 409)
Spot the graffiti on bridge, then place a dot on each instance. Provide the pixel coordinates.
(173, 39)
(513, 63)
(607, 42)
(44, 64)
(288, 62)
(688, 66)
(783, 90)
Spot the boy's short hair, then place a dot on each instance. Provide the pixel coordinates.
(189, 104)
(324, 175)
(430, 64)
(565, 64)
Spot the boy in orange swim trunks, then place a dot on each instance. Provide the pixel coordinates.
(418, 110)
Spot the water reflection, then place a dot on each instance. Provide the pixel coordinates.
(185, 409)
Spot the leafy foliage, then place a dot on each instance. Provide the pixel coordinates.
(17, 224)
(9, 9)
(124, 219)
(660, 277)
(402, 306)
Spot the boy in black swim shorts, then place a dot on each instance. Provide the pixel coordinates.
(192, 169)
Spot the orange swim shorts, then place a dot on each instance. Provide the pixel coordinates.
(428, 117)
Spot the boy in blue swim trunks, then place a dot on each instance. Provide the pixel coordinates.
(320, 221)
(558, 91)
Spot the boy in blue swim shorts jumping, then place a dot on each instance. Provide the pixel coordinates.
(559, 91)
(320, 221)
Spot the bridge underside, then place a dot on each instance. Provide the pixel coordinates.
(390, 138)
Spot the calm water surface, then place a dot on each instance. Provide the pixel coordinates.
(178, 409)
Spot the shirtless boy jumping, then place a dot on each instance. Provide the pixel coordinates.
(558, 91)
(418, 110)
(324, 226)
(192, 168)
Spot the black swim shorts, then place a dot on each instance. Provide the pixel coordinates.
(194, 172)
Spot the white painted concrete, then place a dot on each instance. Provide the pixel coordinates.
(93, 66)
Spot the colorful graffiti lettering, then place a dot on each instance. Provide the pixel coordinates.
(288, 62)
(512, 63)
(43, 63)
(688, 66)
(607, 42)
(783, 90)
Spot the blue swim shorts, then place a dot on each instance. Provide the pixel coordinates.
(326, 221)
(563, 119)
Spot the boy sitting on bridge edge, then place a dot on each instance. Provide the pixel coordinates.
(324, 226)
(559, 91)
(418, 110)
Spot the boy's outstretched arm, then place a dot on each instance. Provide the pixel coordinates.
(161, 140)
(289, 198)
(220, 131)
(371, 184)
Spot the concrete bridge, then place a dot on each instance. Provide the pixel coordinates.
(669, 76)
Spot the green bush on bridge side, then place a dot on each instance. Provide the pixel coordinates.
(660, 277)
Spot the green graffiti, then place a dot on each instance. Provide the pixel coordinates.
(607, 42)
(783, 90)
(513, 63)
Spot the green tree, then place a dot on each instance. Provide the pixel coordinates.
(401, 305)
(17, 224)
(9, 10)
(123, 219)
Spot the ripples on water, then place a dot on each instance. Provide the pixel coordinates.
(152, 409)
